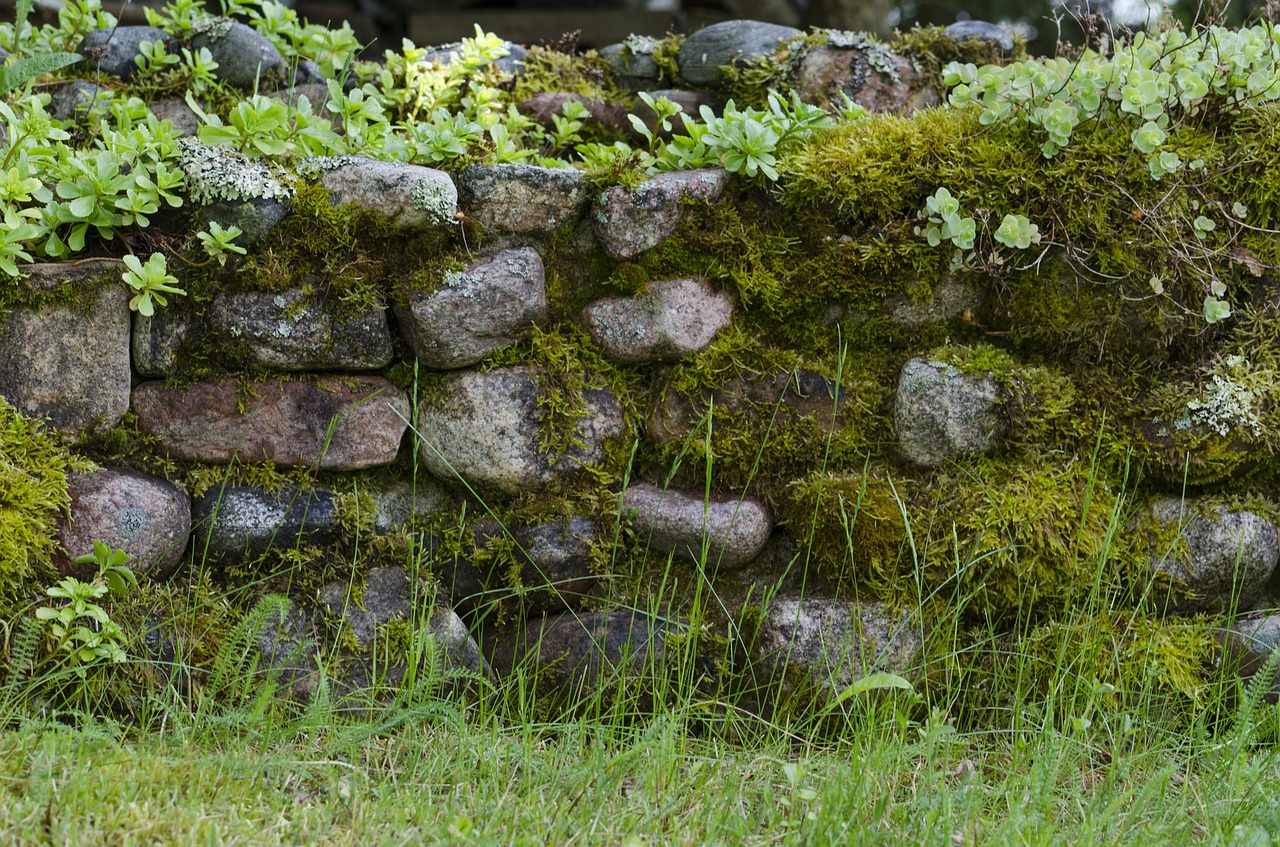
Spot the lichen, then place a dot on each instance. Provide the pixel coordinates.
(437, 197)
(216, 173)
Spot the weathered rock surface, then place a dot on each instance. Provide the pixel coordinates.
(388, 594)
(398, 503)
(1222, 558)
(732, 530)
(69, 364)
(631, 222)
(410, 196)
(492, 304)
(1251, 646)
(234, 190)
(634, 70)
(672, 320)
(818, 643)
(490, 429)
(146, 516)
(941, 413)
(176, 111)
(522, 199)
(289, 654)
(112, 51)
(294, 331)
(246, 59)
(703, 52)
(75, 100)
(879, 82)
(553, 561)
(981, 31)
(288, 423)
(803, 394)
(158, 340)
(582, 657)
(236, 523)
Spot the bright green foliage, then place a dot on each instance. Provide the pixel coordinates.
(217, 241)
(33, 493)
(81, 632)
(150, 283)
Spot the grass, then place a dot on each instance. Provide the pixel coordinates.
(422, 777)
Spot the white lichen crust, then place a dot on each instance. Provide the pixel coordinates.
(438, 198)
(216, 174)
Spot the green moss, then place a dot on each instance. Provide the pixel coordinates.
(931, 49)
(33, 496)
(547, 70)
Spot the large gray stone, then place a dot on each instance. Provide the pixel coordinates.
(871, 76)
(246, 59)
(289, 656)
(237, 523)
(389, 594)
(333, 422)
(822, 645)
(396, 504)
(411, 197)
(781, 396)
(160, 339)
(704, 52)
(234, 190)
(1251, 646)
(493, 304)
(146, 516)
(112, 51)
(630, 222)
(491, 430)
(732, 531)
(522, 200)
(70, 364)
(176, 111)
(981, 31)
(1220, 558)
(941, 413)
(633, 69)
(76, 100)
(293, 330)
(551, 563)
(586, 658)
(672, 320)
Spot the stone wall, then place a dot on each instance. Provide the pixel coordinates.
(561, 414)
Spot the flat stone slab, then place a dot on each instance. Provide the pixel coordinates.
(672, 320)
(146, 516)
(491, 429)
(238, 523)
(879, 81)
(493, 304)
(69, 364)
(294, 331)
(822, 644)
(733, 531)
(286, 422)
(522, 199)
(941, 413)
(630, 222)
(159, 340)
(1221, 558)
(411, 197)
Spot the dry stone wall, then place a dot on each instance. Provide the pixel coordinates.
(540, 412)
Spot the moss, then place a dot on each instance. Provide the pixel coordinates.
(33, 497)
(931, 49)
(547, 70)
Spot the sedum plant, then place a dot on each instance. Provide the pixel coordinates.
(150, 282)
